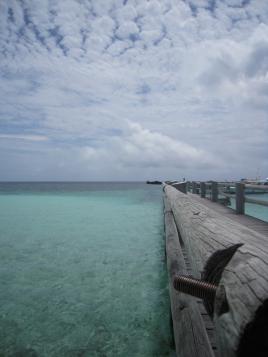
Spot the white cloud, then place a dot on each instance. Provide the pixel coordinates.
(158, 84)
(24, 137)
(140, 147)
(126, 13)
(126, 29)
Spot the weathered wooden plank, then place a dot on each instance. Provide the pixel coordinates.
(247, 221)
(244, 280)
(190, 335)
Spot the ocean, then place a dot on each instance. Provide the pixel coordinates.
(83, 270)
(257, 211)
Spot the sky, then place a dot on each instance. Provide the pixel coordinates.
(133, 89)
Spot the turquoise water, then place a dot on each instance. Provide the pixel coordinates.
(258, 211)
(83, 271)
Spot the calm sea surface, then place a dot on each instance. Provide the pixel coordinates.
(257, 211)
(82, 270)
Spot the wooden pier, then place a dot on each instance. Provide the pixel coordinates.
(227, 251)
(225, 211)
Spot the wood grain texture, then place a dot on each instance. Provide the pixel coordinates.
(253, 223)
(245, 279)
(190, 335)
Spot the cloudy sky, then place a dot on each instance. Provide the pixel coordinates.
(133, 89)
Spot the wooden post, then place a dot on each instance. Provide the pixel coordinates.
(193, 187)
(187, 186)
(240, 198)
(214, 191)
(203, 189)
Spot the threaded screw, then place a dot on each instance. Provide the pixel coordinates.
(195, 287)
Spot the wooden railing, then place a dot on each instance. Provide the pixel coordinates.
(204, 244)
(224, 191)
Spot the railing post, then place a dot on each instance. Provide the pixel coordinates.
(240, 198)
(187, 186)
(193, 187)
(214, 191)
(203, 189)
(184, 187)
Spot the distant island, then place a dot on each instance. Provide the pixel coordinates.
(154, 182)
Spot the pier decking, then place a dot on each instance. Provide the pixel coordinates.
(253, 223)
(209, 243)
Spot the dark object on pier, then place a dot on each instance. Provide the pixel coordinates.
(154, 182)
(255, 335)
(213, 270)
(217, 262)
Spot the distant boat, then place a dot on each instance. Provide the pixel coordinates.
(154, 182)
